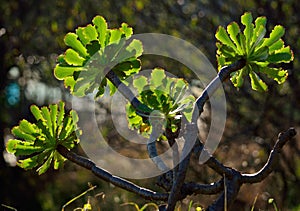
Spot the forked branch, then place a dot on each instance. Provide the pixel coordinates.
(232, 183)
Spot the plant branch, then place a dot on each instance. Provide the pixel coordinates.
(140, 108)
(207, 189)
(106, 176)
(178, 183)
(231, 190)
(208, 91)
(189, 134)
(152, 152)
(283, 138)
(212, 162)
(223, 74)
(232, 179)
(233, 184)
(175, 155)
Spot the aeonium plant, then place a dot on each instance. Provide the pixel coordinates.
(37, 142)
(93, 51)
(166, 96)
(263, 55)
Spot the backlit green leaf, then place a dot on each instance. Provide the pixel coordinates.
(80, 32)
(281, 55)
(22, 135)
(233, 30)
(260, 29)
(70, 82)
(29, 163)
(61, 72)
(256, 83)
(188, 110)
(61, 113)
(279, 75)
(53, 115)
(27, 127)
(139, 83)
(43, 168)
(126, 30)
(135, 48)
(157, 77)
(101, 27)
(115, 36)
(47, 117)
(242, 41)
(74, 116)
(258, 39)
(180, 90)
(36, 112)
(42, 125)
(72, 41)
(58, 160)
(112, 88)
(127, 68)
(223, 37)
(275, 35)
(73, 58)
(66, 129)
(240, 77)
(19, 147)
(276, 46)
(247, 19)
(90, 32)
(227, 51)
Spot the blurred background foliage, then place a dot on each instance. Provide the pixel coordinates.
(31, 38)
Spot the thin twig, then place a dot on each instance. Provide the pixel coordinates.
(233, 184)
(189, 134)
(156, 122)
(106, 176)
(152, 152)
(141, 109)
(175, 155)
(223, 74)
(212, 162)
(283, 138)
